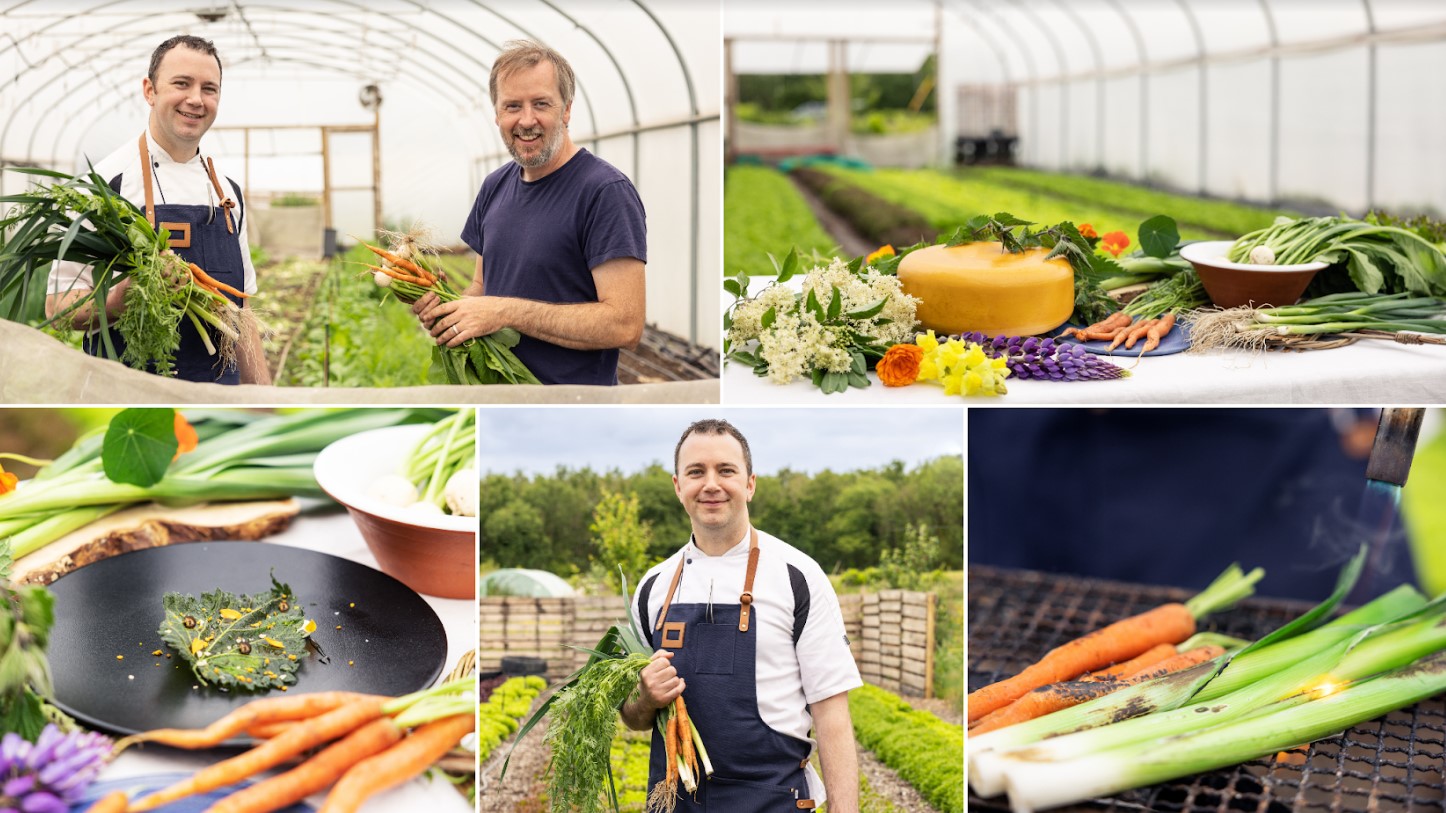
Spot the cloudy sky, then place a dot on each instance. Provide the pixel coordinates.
(536, 440)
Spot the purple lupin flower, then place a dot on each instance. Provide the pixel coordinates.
(1046, 359)
(49, 775)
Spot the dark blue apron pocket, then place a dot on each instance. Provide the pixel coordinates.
(712, 646)
(742, 796)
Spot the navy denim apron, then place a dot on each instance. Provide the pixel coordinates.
(204, 236)
(755, 768)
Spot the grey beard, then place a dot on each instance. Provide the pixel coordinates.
(549, 149)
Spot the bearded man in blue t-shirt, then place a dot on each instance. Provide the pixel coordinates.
(561, 233)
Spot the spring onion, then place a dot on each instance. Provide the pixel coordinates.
(1377, 257)
(1035, 786)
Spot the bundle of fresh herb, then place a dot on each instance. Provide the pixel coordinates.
(239, 642)
(409, 273)
(81, 219)
(1370, 257)
(842, 321)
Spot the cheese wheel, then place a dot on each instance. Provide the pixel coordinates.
(979, 286)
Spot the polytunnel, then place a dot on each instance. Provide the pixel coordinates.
(379, 111)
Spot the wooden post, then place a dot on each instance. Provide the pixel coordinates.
(931, 603)
(377, 167)
(326, 177)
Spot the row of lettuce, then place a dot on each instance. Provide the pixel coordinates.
(922, 749)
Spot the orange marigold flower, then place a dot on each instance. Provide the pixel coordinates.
(1086, 230)
(1115, 242)
(186, 438)
(900, 365)
(8, 481)
(882, 252)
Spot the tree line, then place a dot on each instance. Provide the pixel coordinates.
(842, 519)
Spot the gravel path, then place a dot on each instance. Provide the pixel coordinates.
(520, 792)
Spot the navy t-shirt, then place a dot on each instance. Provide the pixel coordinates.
(540, 240)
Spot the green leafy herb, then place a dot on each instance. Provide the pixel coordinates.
(251, 642)
(139, 446)
(26, 614)
(1158, 236)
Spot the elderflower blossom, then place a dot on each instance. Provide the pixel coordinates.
(795, 343)
(962, 367)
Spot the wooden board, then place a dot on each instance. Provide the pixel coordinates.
(150, 526)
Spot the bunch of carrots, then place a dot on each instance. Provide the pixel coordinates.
(1129, 651)
(1122, 328)
(684, 750)
(482, 360)
(376, 743)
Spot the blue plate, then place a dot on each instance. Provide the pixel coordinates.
(1176, 341)
(138, 786)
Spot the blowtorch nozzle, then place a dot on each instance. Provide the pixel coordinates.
(1395, 444)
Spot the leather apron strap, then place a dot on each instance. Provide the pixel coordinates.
(226, 203)
(146, 178)
(746, 599)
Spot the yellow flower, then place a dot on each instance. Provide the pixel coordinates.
(882, 252)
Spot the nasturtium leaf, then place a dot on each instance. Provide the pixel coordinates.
(139, 445)
(258, 650)
(1158, 236)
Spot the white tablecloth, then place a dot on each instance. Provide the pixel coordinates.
(1369, 372)
(328, 529)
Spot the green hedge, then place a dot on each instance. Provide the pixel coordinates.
(764, 214)
(923, 750)
(507, 704)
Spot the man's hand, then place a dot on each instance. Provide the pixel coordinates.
(658, 685)
(452, 323)
(835, 734)
(425, 305)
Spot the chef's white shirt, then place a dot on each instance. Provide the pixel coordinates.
(788, 677)
(182, 183)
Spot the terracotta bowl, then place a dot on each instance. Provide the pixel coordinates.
(1232, 285)
(435, 554)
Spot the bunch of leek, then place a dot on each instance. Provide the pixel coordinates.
(238, 456)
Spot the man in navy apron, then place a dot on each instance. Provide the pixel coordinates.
(747, 629)
(165, 169)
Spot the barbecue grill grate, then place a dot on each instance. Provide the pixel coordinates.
(1392, 763)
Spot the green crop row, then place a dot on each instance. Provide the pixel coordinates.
(882, 221)
(508, 704)
(1224, 219)
(764, 214)
(923, 750)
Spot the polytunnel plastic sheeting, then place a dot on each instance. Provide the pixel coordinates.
(70, 81)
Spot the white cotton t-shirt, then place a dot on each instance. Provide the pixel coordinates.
(182, 183)
(789, 677)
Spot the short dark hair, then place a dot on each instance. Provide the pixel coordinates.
(205, 46)
(519, 54)
(714, 426)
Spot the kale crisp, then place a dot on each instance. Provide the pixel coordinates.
(248, 641)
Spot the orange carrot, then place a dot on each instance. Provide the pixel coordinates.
(1156, 333)
(685, 739)
(1106, 325)
(671, 741)
(265, 731)
(1122, 640)
(402, 263)
(202, 276)
(1056, 696)
(335, 723)
(316, 774)
(395, 273)
(257, 712)
(1119, 335)
(113, 802)
(408, 758)
(1138, 332)
(1151, 657)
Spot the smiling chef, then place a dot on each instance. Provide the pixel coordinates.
(165, 169)
(747, 629)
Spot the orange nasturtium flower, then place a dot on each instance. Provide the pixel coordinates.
(7, 481)
(1115, 242)
(882, 252)
(185, 436)
(900, 365)
(1086, 230)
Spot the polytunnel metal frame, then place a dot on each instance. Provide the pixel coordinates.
(972, 12)
(433, 67)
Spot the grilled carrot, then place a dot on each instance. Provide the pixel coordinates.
(408, 758)
(113, 802)
(335, 723)
(1158, 331)
(255, 713)
(1151, 657)
(1052, 698)
(316, 774)
(1122, 640)
(202, 276)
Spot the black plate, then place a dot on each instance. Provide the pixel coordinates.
(390, 641)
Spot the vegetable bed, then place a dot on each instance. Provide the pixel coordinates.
(763, 213)
(1391, 763)
(925, 751)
